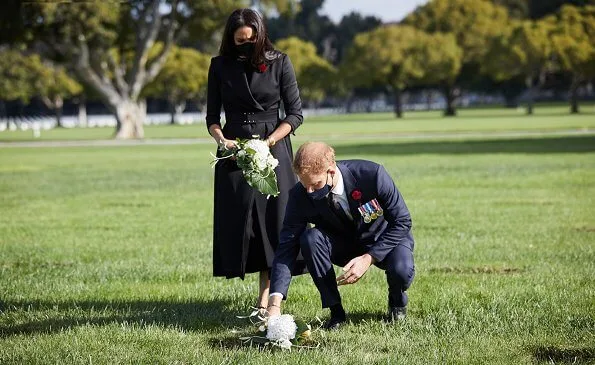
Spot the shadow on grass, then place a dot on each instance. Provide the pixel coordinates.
(554, 354)
(191, 316)
(470, 114)
(576, 144)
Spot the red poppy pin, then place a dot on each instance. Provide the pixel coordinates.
(356, 194)
(262, 67)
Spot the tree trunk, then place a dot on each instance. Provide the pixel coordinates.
(176, 108)
(58, 112)
(83, 112)
(131, 117)
(530, 91)
(172, 113)
(3, 112)
(429, 99)
(57, 104)
(574, 108)
(349, 105)
(398, 103)
(451, 94)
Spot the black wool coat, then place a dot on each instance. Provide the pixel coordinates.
(246, 225)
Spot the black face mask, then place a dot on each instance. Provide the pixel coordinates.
(322, 192)
(245, 49)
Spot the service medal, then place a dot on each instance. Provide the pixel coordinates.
(376, 205)
(364, 214)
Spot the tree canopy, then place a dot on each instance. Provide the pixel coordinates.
(314, 74)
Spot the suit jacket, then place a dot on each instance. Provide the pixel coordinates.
(377, 238)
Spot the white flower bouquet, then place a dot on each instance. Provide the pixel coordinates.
(254, 157)
(283, 331)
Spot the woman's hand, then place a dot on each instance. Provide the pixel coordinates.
(270, 141)
(228, 144)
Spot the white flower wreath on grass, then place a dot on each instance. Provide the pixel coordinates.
(283, 331)
(254, 157)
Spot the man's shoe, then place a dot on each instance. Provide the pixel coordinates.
(396, 314)
(334, 323)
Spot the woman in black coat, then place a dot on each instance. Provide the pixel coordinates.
(250, 79)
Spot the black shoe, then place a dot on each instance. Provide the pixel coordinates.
(334, 323)
(396, 314)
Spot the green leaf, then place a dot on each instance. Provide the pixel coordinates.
(266, 185)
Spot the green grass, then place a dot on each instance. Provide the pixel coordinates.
(105, 256)
(546, 118)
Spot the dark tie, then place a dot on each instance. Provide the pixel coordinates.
(338, 210)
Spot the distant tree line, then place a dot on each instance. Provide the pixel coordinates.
(123, 53)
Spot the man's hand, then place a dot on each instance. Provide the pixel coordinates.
(355, 269)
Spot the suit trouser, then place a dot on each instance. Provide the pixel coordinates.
(321, 251)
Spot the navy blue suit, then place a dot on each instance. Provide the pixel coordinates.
(387, 239)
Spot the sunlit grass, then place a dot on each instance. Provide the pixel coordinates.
(105, 257)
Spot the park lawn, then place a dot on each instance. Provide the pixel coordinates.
(373, 125)
(105, 258)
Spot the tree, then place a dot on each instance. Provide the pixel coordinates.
(16, 82)
(52, 84)
(26, 76)
(472, 22)
(525, 52)
(304, 22)
(391, 56)
(314, 74)
(442, 60)
(541, 8)
(573, 42)
(108, 44)
(519, 9)
(349, 26)
(183, 77)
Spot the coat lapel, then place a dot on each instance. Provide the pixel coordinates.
(350, 185)
(239, 83)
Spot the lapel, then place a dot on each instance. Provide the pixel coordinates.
(239, 83)
(351, 184)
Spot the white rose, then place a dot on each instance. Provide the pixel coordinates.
(261, 161)
(272, 162)
(260, 147)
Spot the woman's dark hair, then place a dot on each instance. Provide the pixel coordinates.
(250, 18)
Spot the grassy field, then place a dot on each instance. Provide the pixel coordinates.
(374, 125)
(105, 252)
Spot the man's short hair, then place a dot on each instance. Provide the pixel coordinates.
(313, 158)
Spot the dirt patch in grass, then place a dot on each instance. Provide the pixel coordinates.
(585, 229)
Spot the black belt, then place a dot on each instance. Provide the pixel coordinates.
(252, 117)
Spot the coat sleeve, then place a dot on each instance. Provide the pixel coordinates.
(213, 96)
(395, 213)
(294, 224)
(291, 95)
